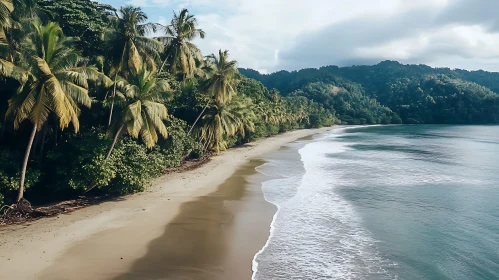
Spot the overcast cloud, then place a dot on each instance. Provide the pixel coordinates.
(270, 35)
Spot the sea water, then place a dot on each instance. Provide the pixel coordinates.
(385, 202)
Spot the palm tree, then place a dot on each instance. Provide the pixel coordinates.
(6, 7)
(221, 80)
(222, 76)
(267, 112)
(144, 111)
(180, 53)
(131, 45)
(16, 13)
(226, 119)
(52, 83)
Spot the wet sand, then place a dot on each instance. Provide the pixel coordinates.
(202, 224)
(214, 237)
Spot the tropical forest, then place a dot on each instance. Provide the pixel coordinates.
(99, 100)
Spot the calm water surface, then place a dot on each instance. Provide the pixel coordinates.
(385, 202)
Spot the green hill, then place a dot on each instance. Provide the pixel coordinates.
(381, 93)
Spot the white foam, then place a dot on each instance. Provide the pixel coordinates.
(254, 264)
(315, 217)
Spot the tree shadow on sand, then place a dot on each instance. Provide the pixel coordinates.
(193, 245)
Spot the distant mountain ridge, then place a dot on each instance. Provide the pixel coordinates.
(415, 93)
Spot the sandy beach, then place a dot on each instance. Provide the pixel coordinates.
(186, 225)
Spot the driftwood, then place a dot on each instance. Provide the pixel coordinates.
(23, 211)
(18, 212)
(15, 214)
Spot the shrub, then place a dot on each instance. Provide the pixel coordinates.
(79, 163)
(396, 119)
(233, 141)
(136, 166)
(10, 174)
(178, 144)
(386, 120)
(272, 129)
(259, 132)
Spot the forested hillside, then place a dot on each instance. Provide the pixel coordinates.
(92, 101)
(414, 93)
(98, 98)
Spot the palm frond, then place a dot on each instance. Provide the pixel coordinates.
(43, 66)
(134, 60)
(133, 118)
(9, 70)
(51, 79)
(52, 88)
(21, 104)
(6, 7)
(181, 54)
(77, 93)
(144, 114)
(148, 132)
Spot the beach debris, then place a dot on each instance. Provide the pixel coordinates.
(23, 212)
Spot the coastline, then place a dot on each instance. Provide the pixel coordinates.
(106, 240)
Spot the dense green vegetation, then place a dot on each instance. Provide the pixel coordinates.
(93, 102)
(390, 92)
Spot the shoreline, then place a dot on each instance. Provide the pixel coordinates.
(213, 237)
(99, 237)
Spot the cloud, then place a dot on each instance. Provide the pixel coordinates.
(371, 38)
(292, 34)
(444, 36)
(254, 30)
(472, 12)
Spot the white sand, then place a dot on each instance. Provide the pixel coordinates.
(98, 237)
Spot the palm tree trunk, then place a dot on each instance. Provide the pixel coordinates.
(36, 141)
(163, 64)
(115, 79)
(197, 119)
(44, 137)
(25, 164)
(92, 185)
(116, 137)
(112, 102)
(206, 144)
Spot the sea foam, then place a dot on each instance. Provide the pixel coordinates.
(315, 233)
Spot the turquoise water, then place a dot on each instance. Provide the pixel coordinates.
(386, 202)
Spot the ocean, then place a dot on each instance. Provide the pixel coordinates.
(384, 202)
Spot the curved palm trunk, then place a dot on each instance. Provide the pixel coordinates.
(115, 79)
(44, 136)
(208, 140)
(25, 164)
(92, 185)
(197, 119)
(115, 140)
(162, 66)
(112, 102)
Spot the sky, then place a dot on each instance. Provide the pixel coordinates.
(273, 35)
